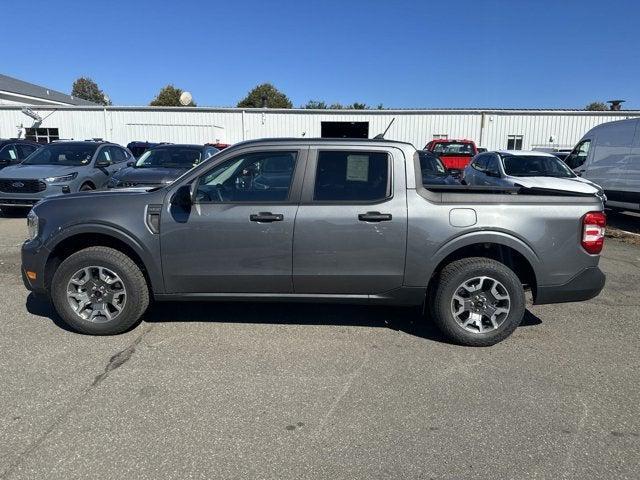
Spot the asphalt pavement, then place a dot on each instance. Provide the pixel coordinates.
(283, 391)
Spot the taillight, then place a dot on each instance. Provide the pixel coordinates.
(593, 224)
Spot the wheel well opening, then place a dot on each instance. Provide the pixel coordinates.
(78, 242)
(501, 253)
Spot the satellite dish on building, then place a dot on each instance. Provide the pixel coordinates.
(185, 98)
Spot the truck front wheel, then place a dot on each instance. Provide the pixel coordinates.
(477, 301)
(99, 291)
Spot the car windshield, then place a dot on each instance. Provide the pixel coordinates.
(453, 148)
(431, 165)
(535, 166)
(169, 158)
(62, 154)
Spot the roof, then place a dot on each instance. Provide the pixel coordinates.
(20, 87)
(527, 153)
(176, 145)
(306, 141)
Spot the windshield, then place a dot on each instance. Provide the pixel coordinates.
(62, 155)
(535, 166)
(169, 158)
(431, 165)
(453, 148)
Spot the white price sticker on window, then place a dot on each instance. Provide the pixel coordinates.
(12, 154)
(357, 168)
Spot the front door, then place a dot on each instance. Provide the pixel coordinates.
(351, 227)
(238, 236)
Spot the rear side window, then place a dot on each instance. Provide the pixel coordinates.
(480, 162)
(352, 176)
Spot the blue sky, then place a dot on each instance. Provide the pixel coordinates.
(466, 53)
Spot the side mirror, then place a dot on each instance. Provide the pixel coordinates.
(103, 163)
(182, 197)
(492, 173)
(130, 164)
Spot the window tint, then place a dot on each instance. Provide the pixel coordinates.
(255, 177)
(480, 162)
(104, 154)
(351, 176)
(24, 150)
(8, 153)
(492, 165)
(118, 155)
(535, 166)
(579, 154)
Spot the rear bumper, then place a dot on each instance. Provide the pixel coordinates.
(584, 286)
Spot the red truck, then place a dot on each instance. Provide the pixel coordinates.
(455, 154)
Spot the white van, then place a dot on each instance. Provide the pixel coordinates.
(609, 155)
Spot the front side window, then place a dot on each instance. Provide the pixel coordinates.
(579, 154)
(169, 157)
(352, 176)
(254, 177)
(535, 166)
(492, 166)
(480, 163)
(118, 155)
(62, 154)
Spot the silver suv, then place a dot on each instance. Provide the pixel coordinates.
(60, 168)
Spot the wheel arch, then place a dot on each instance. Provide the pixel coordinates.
(70, 240)
(499, 246)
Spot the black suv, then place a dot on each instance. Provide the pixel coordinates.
(161, 165)
(15, 150)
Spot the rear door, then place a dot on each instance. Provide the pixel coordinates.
(238, 236)
(351, 227)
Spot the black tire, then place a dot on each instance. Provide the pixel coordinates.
(87, 187)
(452, 277)
(137, 291)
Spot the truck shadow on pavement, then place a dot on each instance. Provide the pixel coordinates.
(407, 320)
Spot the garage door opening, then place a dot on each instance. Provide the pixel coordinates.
(344, 130)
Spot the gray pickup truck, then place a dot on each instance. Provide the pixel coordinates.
(316, 220)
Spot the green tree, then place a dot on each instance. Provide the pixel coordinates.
(87, 89)
(169, 96)
(265, 95)
(316, 104)
(336, 106)
(358, 106)
(597, 106)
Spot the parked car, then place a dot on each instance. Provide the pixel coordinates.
(433, 170)
(15, 150)
(609, 155)
(58, 169)
(161, 165)
(455, 154)
(530, 169)
(366, 231)
(138, 148)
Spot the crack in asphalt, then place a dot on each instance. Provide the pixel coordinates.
(116, 361)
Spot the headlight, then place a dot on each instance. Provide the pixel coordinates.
(63, 178)
(32, 225)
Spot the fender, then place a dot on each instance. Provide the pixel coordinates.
(150, 263)
(486, 236)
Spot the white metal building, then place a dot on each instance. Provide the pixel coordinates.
(493, 129)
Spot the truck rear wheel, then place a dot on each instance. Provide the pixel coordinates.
(477, 302)
(99, 291)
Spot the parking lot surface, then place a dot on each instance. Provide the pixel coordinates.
(225, 390)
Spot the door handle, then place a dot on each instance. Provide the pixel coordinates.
(265, 217)
(374, 217)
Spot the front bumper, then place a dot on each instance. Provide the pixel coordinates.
(584, 286)
(16, 199)
(34, 259)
